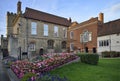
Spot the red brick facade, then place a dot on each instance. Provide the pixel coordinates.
(88, 28)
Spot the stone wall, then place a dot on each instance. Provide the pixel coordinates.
(24, 34)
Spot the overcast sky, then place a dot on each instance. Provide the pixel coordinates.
(78, 10)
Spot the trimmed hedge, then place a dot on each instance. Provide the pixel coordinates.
(89, 58)
(110, 54)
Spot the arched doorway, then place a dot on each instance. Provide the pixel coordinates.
(94, 50)
(86, 49)
(63, 44)
(41, 51)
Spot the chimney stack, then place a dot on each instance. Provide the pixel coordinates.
(70, 20)
(19, 7)
(101, 17)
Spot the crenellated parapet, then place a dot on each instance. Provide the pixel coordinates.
(11, 13)
(9, 18)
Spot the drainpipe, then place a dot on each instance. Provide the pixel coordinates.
(27, 38)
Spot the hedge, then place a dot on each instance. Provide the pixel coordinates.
(89, 58)
(110, 54)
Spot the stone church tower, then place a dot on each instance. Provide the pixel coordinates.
(10, 18)
(12, 42)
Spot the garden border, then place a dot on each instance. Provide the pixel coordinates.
(12, 75)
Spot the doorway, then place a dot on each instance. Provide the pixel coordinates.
(41, 51)
(94, 50)
(86, 49)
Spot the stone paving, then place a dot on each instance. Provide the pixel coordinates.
(3, 73)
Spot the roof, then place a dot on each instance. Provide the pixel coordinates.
(112, 27)
(91, 20)
(46, 17)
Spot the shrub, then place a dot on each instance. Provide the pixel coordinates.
(45, 76)
(110, 54)
(118, 54)
(113, 54)
(89, 58)
(49, 77)
(27, 76)
(105, 54)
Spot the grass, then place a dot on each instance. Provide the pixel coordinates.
(106, 70)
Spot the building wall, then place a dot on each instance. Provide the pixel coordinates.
(39, 39)
(114, 45)
(9, 19)
(4, 43)
(90, 26)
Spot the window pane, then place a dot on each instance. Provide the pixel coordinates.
(33, 28)
(107, 42)
(90, 36)
(81, 38)
(56, 31)
(71, 34)
(32, 47)
(50, 44)
(86, 36)
(63, 44)
(45, 30)
(64, 33)
(71, 47)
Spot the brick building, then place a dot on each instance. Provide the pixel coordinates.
(83, 36)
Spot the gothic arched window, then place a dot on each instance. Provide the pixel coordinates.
(50, 44)
(85, 36)
(64, 45)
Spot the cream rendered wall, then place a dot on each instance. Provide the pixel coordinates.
(113, 46)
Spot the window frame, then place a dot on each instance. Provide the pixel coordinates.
(71, 47)
(33, 28)
(46, 30)
(32, 46)
(64, 44)
(64, 32)
(50, 44)
(56, 31)
(90, 36)
(71, 34)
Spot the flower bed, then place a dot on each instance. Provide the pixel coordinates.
(46, 76)
(52, 61)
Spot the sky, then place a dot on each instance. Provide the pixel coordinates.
(78, 10)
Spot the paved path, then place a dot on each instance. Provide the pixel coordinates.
(3, 73)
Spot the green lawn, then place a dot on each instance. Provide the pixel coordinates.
(106, 70)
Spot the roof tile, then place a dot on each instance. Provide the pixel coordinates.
(46, 17)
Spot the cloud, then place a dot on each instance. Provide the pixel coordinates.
(115, 8)
(112, 12)
(44, 5)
